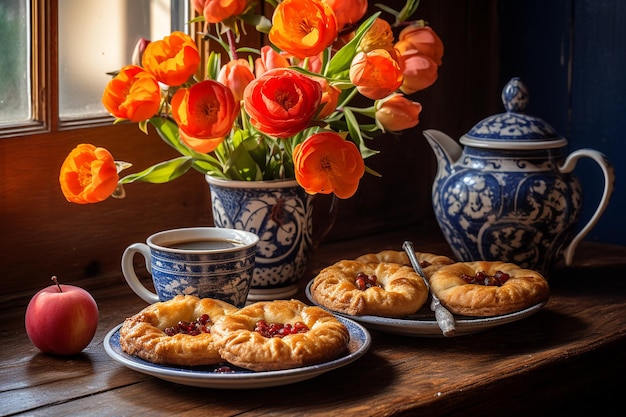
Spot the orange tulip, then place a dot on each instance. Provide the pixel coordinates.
(88, 175)
(205, 113)
(268, 60)
(348, 12)
(236, 75)
(419, 71)
(133, 94)
(378, 36)
(424, 40)
(396, 113)
(282, 102)
(327, 163)
(303, 28)
(376, 74)
(216, 11)
(173, 59)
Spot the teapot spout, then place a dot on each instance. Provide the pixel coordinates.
(446, 150)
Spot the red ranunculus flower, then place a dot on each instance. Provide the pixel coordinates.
(282, 102)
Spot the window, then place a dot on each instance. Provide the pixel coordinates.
(15, 60)
(92, 38)
(96, 37)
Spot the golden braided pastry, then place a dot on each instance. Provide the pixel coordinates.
(428, 261)
(524, 288)
(239, 343)
(400, 291)
(143, 334)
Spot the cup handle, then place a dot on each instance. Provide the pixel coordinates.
(128, 269)
(609, 181)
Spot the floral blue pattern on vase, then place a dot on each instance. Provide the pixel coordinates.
(280, 213)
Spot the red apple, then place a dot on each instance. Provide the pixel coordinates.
(61, 319)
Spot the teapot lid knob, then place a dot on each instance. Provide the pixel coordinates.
(513, 129)
(515, 96)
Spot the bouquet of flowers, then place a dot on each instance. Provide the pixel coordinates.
(284, 112)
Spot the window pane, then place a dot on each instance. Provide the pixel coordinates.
(96, 37)
(15, 91)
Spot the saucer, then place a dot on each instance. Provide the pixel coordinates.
(207, 377)
(424, 324)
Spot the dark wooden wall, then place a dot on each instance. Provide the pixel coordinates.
(572, 56)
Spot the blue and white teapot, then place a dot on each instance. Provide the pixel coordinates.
(510, 194)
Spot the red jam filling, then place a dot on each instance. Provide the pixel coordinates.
(270, 330)
(193, 328)
(481, 278)
(364, 281)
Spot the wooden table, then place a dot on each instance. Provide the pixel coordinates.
(568, 357)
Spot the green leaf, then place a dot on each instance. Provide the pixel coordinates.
(197, 19)
(143, 126)
(261, 23)
(342, 59)
(168, 131)
(355, 134)
(209, 166)
(161, 172)
(407, 11)
(213, 65)
(372, 172)
(242, 166)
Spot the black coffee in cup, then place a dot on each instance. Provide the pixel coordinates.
(203, 244)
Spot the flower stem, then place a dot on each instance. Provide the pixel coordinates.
(231, 44)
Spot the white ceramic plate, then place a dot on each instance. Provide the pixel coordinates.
(423, 323)
(206, 377)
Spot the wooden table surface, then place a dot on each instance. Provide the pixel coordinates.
(567, 358)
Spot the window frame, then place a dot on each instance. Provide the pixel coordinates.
(42, 21)
(44, 64)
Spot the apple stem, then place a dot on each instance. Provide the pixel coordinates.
(54, 278)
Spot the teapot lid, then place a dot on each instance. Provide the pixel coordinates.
(513, 129)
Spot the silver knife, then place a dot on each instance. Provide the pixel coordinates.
(445, 320)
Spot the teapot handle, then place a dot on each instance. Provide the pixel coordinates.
(609, 181)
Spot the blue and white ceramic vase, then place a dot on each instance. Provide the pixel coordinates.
(281, 214)
(510, 194)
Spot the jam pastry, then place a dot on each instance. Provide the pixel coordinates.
(281, 334)
(428, 261)
(485, 288)
(176, 332)
(369, 288)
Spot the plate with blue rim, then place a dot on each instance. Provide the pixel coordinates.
(239, 378)
(424, 324)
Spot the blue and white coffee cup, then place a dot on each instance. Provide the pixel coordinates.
(207, 262)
